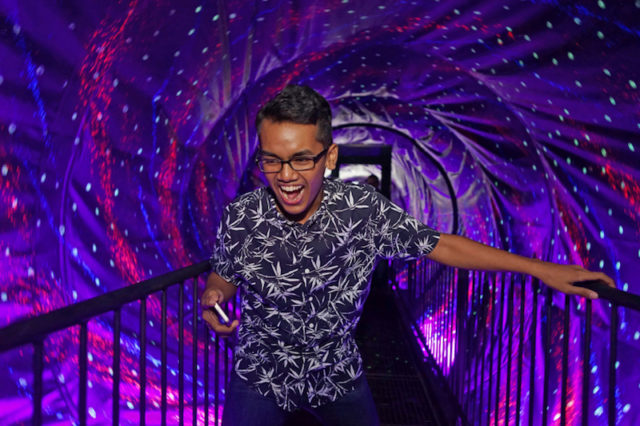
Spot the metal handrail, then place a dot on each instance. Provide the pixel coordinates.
(613, 295)
(29, 330)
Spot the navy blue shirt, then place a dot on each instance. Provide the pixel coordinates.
(304, 285)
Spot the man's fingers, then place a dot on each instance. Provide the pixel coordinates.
(210, 298)
(214, 322)
(589, 294)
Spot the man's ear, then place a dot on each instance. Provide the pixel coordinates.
(332, 157)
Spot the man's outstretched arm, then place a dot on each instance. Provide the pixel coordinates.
(461, 252)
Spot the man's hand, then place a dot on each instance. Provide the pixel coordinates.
(562, 277)
(210, 297)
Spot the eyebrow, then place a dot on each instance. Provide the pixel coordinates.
(297, 154)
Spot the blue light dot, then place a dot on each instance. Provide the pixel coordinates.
(636, 335)
(88, 187)
(626, 408)
(617, 266)
(594, 369)
(598, 411)
(601, 264)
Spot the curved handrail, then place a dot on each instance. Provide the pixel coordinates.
(613, 295)
(32, 329)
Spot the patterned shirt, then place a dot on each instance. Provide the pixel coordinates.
(304, 286)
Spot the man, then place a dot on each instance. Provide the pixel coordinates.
(303, 250)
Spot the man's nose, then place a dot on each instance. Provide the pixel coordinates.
(287, 171)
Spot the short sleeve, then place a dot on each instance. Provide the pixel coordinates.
(224, 260)
(400, 235)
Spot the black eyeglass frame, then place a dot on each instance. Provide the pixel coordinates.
(315, 159)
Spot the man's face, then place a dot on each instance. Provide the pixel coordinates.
(298, 193)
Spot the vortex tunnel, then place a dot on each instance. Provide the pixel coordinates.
(126, 127)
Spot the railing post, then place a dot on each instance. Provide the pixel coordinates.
(38, 366)
(181, 354)
(82, 366)
(116, 368)
(586, 356)
(143, 361)
(461, 329)
(613, 355)
(565, 361)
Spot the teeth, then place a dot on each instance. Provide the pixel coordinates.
(291, 188)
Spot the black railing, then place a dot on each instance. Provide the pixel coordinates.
(498, 337)
(190, 282)
(491, 338)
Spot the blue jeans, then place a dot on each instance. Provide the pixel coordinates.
(246, 407)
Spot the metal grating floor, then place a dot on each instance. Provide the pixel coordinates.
(390, 367)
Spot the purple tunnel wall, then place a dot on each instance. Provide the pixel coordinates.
(125, 127)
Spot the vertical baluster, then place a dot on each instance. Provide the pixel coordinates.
(207, 336)
(181, 354)
(116, 368)
(565, 362)
(510, 308)
(143, 360)
(535, 288)
(472, 345)
(476, 338)
(520, 350)
(461, 327)
(439, 304)
(613, 355)
(82, 366)
(499, 339)
(38, 366)
(216, 379)
(450, 323)
(194, 351)
(547, 356)
(163, 403)
(586, 357)
(494, 321)
(485, 312)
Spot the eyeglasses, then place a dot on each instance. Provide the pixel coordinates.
(272, 164)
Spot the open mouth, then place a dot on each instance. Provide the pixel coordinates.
(291, 194)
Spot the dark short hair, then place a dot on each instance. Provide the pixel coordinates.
(300, 105)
